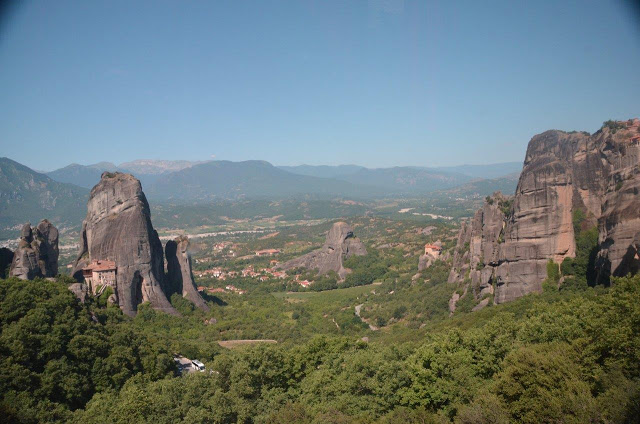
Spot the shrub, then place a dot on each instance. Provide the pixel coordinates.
(553, 276)
(614, 126)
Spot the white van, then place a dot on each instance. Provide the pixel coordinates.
(197, 365)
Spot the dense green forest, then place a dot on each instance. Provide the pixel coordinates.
(570, 356)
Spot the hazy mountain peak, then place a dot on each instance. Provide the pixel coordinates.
(156, 167)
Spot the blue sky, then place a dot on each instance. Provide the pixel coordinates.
(377, 83)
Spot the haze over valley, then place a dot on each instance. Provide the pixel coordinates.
(367, 212)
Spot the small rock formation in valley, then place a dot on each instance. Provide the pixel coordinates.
(505, 248)
(339, 245)
(118, 228)
(37, 254)
(179, 275)
(430, 255)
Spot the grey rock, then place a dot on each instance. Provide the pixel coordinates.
(47, 236)
(460, 264)
(179, 276)
(80, 290)
(482, 304)
(36, 255)
(619, 223)
(118, 228)
(425, 261)
(340, 244)
(563, 172)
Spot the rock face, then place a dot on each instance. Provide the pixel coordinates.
(118, 228)
(47, 237)
(80, 291)
(424, 262)
(619, 222)
(340, 244)
(477, 248)
(179, 276)
(6, 257)
(37, 254)
(598, 174)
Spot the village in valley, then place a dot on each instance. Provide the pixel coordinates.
(241, 263)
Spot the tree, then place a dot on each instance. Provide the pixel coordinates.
(542, 383)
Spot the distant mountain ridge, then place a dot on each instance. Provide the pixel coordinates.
(156, 167)
(206, 180)
(253, 178)
(486, 187)
(488, 171)
(323, 171)
(146, 170)
(81, 175)
(407, 180)
(61, 195)
(27, 195)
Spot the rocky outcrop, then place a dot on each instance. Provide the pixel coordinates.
(47, 237)
(460, 263)
(429, 257)
(80, 291)
(118, 228)
(424, 262)
(619, 222)
(37, 252)
(477, 248)
(6, 257)
(340, 244)
(562, 172)
(179, 276)
(508, 246)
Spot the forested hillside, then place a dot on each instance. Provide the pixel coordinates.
(26, 195)
(562, 356)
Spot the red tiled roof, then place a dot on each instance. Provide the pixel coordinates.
(432, 246)
(97, 265)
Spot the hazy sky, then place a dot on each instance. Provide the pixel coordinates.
(377, 83)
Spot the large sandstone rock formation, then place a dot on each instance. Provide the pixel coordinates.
(619, 222)
(563, 172)
(340, 244)
(179, 276)
(37, 254)
(118, 228)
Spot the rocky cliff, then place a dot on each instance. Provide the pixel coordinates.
(37, 252)
(619, 221)
(118, 228)
(340, 244)
(179, 276)
(564, 174)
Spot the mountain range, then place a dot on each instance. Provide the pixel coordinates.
(488, 171)
(146, 170)
(202, 181)
(26, 195)
(61, 195)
